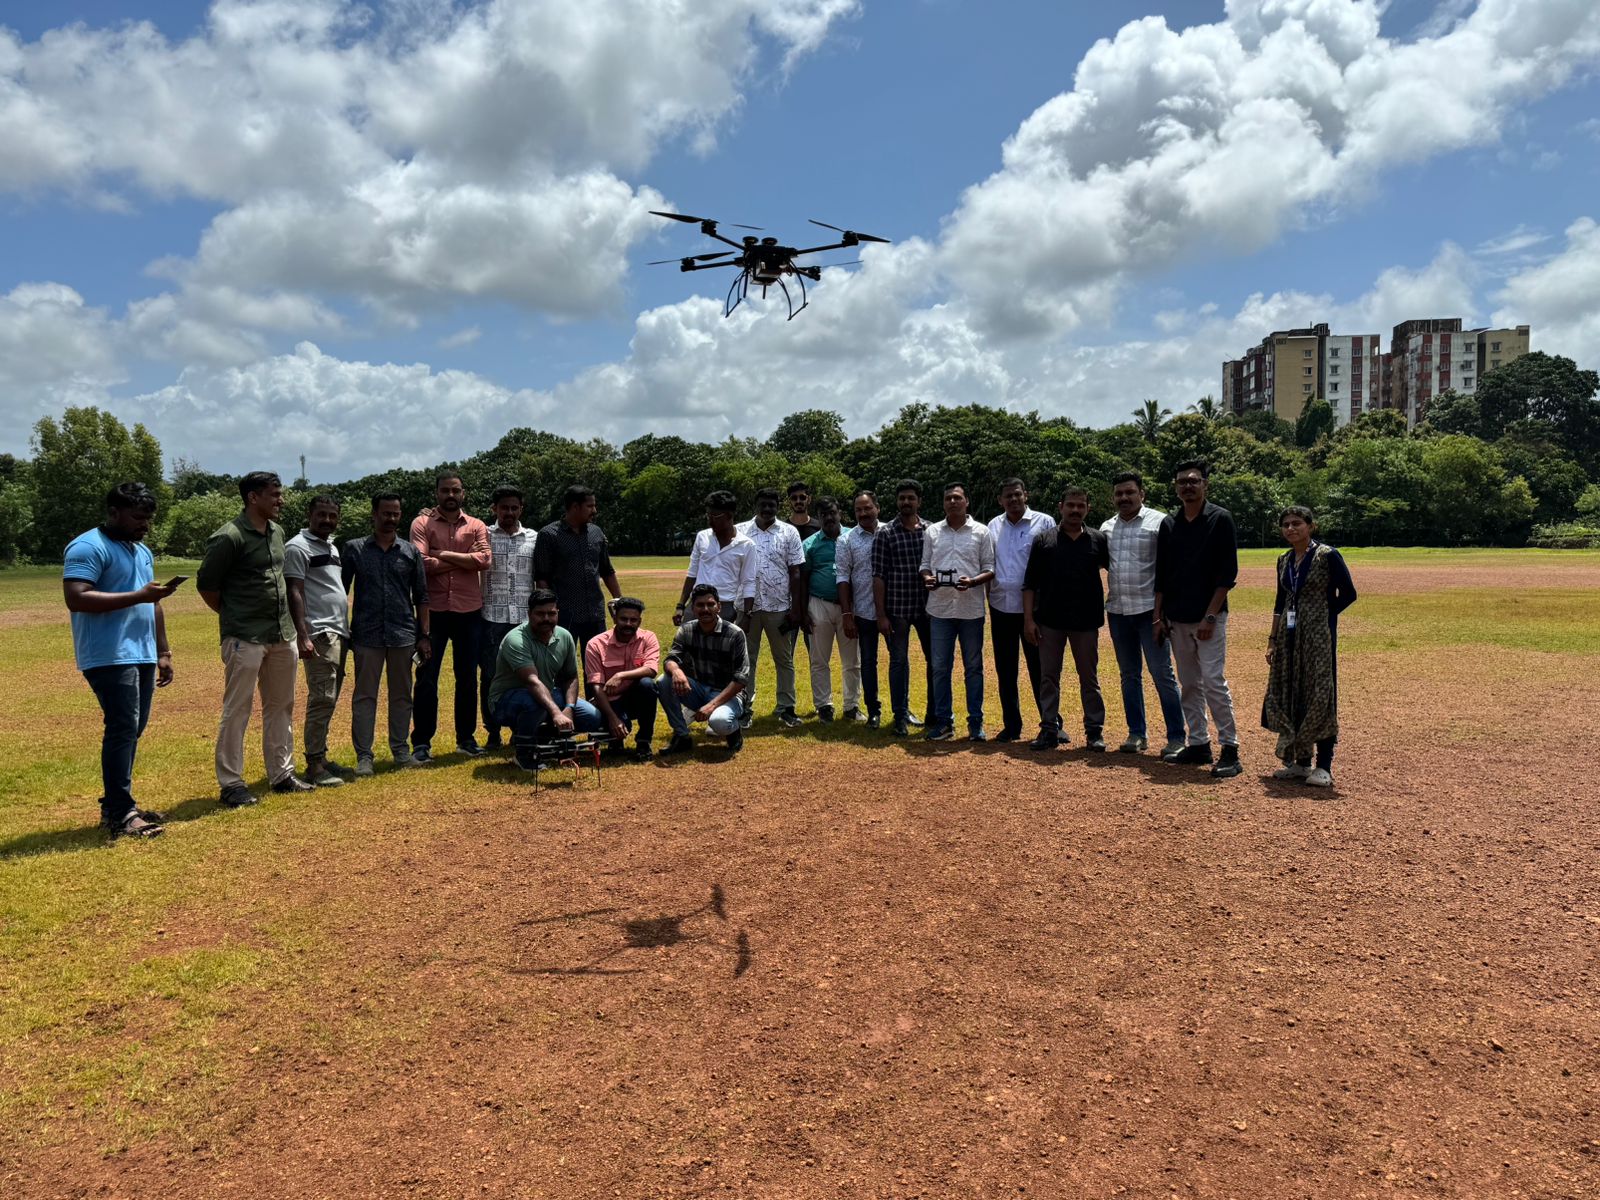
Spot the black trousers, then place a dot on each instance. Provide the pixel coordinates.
(637, 706)
(1005, 629)
(462, 631)
(867, 638)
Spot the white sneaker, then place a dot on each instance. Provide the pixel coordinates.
(1291, 771)
(1319, 778)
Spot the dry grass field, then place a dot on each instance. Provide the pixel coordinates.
(842, 965)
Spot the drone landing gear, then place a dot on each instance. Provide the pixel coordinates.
(580, 754)
(739, 289)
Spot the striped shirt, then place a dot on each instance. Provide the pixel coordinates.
(715, 659)
(1131, 581)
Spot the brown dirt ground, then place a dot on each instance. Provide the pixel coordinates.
(889, 972)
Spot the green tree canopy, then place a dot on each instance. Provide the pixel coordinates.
(76, 461)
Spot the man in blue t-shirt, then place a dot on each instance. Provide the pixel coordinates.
(119, 637)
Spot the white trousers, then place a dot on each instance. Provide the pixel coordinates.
(827, 627)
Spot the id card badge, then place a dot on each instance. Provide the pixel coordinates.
(1288, 619)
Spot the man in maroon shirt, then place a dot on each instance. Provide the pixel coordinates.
(455, 553)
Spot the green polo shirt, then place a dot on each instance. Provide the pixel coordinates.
(821, 552)
(555, 662)
(246, 566)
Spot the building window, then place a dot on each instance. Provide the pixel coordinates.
(1333, 353)
(1333, 370)
(1308, 353)
(1306, 388)
(1308, 370)
(1494, 362)
(1494, 347)
(1466, 381)
(1334, 388)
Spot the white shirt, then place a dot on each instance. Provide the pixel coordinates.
(778, 548)
(731, 569)
(967, 550)
(509, 580)
(1131, 581)
(1013, 540)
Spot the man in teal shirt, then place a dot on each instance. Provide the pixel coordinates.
(824, 617)
(535, 685)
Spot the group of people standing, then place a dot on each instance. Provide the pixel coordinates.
(524, 617)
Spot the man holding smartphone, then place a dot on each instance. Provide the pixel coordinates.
(119, 638)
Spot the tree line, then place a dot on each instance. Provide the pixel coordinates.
(1514, 464)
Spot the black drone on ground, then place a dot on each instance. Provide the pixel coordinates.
(762, 261)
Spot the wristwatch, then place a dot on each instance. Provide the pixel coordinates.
(1211, 618)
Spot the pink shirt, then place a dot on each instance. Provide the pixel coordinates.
(605, 657)
(452, 588)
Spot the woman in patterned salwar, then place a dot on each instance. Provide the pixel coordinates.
(1302, 701)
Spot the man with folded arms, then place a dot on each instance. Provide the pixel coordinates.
(824, 621)
(620, 667)
(706, 668)
(455, 550)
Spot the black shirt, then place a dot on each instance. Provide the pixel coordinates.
(573, 564)
(811, 526)
(1194, 559)
(390, 585)
(1064, 576)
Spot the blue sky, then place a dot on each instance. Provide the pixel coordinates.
(168, 266)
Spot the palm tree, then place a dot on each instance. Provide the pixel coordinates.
(1150, 418)
(1207, 407)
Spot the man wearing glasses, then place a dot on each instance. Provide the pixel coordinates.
(1197, 562)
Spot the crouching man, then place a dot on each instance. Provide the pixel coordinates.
(535, 685)
(620, 666)
(706, 668)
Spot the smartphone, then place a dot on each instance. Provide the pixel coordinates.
(175, 581)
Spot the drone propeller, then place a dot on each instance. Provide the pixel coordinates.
(691, 258)
(850, 233)
(703, 220)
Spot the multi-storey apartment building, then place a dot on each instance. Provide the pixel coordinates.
(1352, 372)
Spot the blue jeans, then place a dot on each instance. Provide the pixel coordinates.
(899, 638)
(530, 721)
(1134, 639)
(724, 718)
(946, 630)
(124, 693)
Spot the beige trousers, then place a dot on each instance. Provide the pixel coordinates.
(827, 627)
(248, 667)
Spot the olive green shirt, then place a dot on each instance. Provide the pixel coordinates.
(246, 566)
(555, 662)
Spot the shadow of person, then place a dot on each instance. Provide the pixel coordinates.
(89, 837)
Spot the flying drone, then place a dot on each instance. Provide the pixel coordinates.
(761, 261)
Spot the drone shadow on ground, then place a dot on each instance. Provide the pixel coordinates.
(644, 933)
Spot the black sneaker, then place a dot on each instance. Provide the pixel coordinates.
(736, 741)
(237, 796)
(526, 757)
(643, 753)
(788, 719)
(422, 754)
(1193, 756)
(913, 720)
(293, 783)
(977, 735)
(825, 714)
(1094, 741)
(150, 815)
(1048, 739)
(470, 748)
(901, 728)
(873, 720)
(940, 733)
(493, 741)
(853, 716)
(681, 743)
(1228, 765)
(746, 719)
(1008, 735)
(134, 825)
